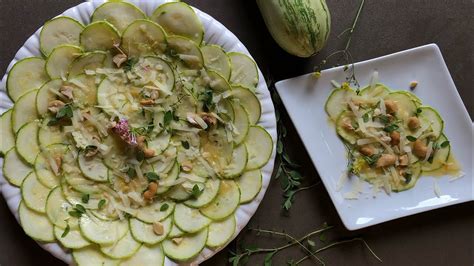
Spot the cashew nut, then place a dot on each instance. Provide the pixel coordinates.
(386, 160)
(367, 150)
(413, 122)
(419, 148)
(391, 106)
(395, 138)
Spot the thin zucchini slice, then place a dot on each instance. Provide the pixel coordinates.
(15, 169)
(24, 110)
(377, 91)
(87, 61)
(45, 95)
(143, 37)
(259, 146)
(73, 239)
(27, 142)
(238, 162)
(241, 123)
(175, 232)
(84, 89)
(244, 70)
(45, 161)
(250, 183)
(346, 134)
(58, 31)
(180, 192)
(153, 213)
(337, 102)
(165, 74)
(250, 102)
(188, 219)
(146, 256)
(217, 82)
(189, 246)
(81, 183)
(36, 225)
(34, 193)
(124, 248)
(26, 75)
(211, 187)
(413, 97)
(440, 156)
(143, 232)
(102, 232)
(91, 255)
(99, 35)
(168, 177)
(226, 202)
(58, 208)
(93, 168)
(216, 59)
(178, 18)
(119, 14)
(187, 51)
(74, 197)
(406, 105)
(6, 131)
(415, 170)
(112, 98)
(160, 143)
(58, 62)
(431, 116)
(220, 232)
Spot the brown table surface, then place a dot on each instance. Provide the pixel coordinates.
(440, 237)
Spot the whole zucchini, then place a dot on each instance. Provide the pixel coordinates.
(300, 27)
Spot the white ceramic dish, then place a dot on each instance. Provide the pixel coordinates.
(215, 33)
(304, 98)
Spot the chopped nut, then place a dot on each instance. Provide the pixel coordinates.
(90, 152)
(177, 240)
(395, 136)
(119, 59)
(347, 125)
(403, 160)
(148, 196)
(58, 162)
(367, 150)
(55, 105)
(158, 228)
(386, 139)
(154, 94)
(66, 91)
(419, 148)
(147, 102)
(413, 122)
(391, 106)
(209, 119)
(386, 160)
(413, 84)
(187, 166)
(141, 141)
(148, 153)
(153, 187)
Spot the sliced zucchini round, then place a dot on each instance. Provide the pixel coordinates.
(84, 89)
(15, 169)
(82, 184)
(217, 82)
(58, 208)
(143, 37)
(377, 91)
(74, 197)
(216, 59)
(220, 232)
(112, 98)
(188, 219)
(244, 70)
(153, 213)
(43, 165)
(87, 61)
(250, 183)
(226, 202)
(99, 35)
(49, 135)
(187, 51)
(211, 188)
(415, 170)
(250, 102)
(440, 156)
(58, 62)
(6, 131)
(45, 95)
(406, 105)
(36, 225)
(175, 232)
(165, 72)
(91, 255)
(124, 248)
(93, 168)
(346, 134)
(72, 239)
(187, 247)
(34, 193)
(24, 110)
(241, 123)
(143, 232)
(160, 143)
(27, 142)
(259, 146)
(337, 102)
(26, 75)
(178, 18)
(146, 256)
(102, 232)
(431, 116)
(171, 175)
(238, 162)
(58, 31)
(119, 14)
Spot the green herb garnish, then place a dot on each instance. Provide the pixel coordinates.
(64, 113)
(164, 207)
(85, 198)
(167, 118)
(444, 144)
(185, 144)
(196, 191)
(101, 203)
(140, 155)
(411, 138)
(66, 231)
(129, 64)
(371, 160)
(151, 176)
(390, 128)
(131, 172)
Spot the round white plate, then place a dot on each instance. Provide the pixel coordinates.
(215, 33)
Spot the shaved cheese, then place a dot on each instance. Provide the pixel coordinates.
(335, 84)
(342, 180)
(362, 142)
(383, 109)
(374, 79)
(79, 84)
(192, 177)
(394, 174)
(354, 109)
(356, 190)
(429, 150)
(189, 58)
(436, 188)
(386, 184)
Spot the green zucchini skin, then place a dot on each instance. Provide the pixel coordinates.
(300, 27)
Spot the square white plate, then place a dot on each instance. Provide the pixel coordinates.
(304, 98)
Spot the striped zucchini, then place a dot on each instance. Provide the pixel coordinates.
(300, 27)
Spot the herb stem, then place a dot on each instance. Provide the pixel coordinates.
(307, 187)
(354, 23)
